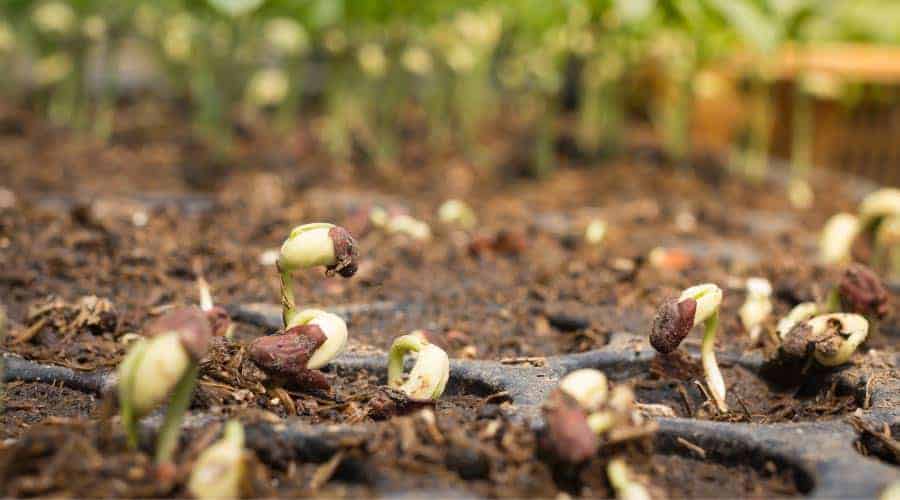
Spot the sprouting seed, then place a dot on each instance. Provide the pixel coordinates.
(878, 205)
(837, 238)
(582, 411)
(334, 328)
(587, 386)
(757, 307)
(675, 319)
(313, 245)
(165, 364)
(429, 375)
(831, 338)
(219, 470)
(310, 341)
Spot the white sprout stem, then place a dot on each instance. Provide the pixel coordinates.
(206, 300)
(288, 305)
(401, 347)
(626, 489)
(429, 376)
(710, 366)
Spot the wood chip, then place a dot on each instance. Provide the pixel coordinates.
(691, 446)
(325, 471)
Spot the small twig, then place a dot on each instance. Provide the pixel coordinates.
(286, 400)
(884, 437)
(744, 406)
(325, 471)
(29, 333)
(691, 446)
(502, 395)
(687, 402)
(427, 416)
(532, 360)
(705, 392)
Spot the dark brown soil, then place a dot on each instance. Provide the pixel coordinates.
(230, 384)
(29, 403)
(134, 221)
(756, 395)
(682, 477)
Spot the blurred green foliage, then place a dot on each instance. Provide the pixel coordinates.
(355, 63)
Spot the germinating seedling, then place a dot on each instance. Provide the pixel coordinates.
(860, 291)
(219, 470)
(757, 307)
(429, 376)
(830, 338)
(311, 340)
(221, 323)
(581, 412)
(163, 365)
(879, 217)
(313, 245)
(676, 318)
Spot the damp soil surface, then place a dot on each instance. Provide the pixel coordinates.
(758, 393)
(483, 457)
(96, 239)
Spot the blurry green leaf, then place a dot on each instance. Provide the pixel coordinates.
(326, 12)
(749, 22)
(633, 11)
(235, 8)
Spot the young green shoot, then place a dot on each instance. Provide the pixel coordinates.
(757, 308)
(831, 338)
(676, 318)
(429, 376)
(219, 470)
(164, 364)
(620, 479)
(218, 316)
(837, 238)
(313, 245)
